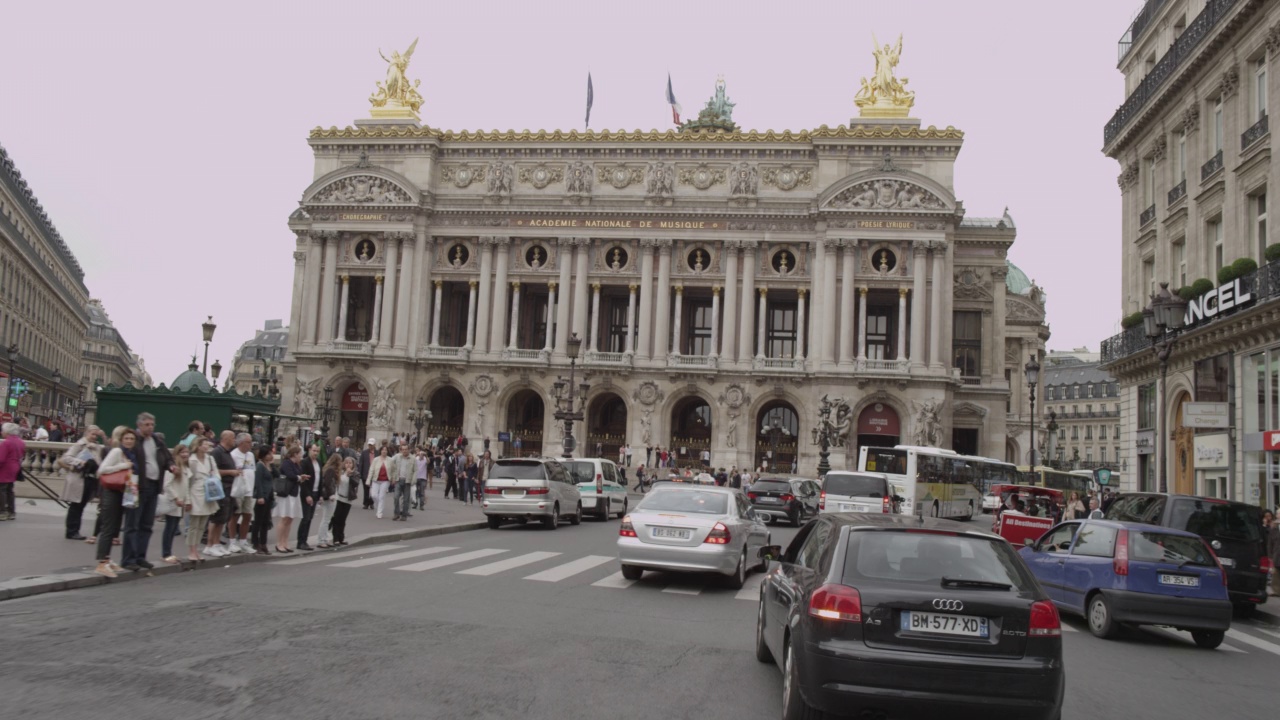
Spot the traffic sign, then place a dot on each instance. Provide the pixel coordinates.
(504, 437)
(1103, 476)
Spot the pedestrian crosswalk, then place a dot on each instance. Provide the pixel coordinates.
(601, 571)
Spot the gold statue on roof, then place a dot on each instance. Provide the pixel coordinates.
(396, 98)
(884, 95)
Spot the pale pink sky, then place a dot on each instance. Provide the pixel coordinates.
(168, 143)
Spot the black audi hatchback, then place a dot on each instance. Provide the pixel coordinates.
(888, 617)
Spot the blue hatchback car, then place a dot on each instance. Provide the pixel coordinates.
(1114, 573)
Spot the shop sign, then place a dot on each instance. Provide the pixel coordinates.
(1146, 442)
(1206, 415)
(878, 419)
(1217, 302)
(1271, 440)
(1212, 451)
(355, 399)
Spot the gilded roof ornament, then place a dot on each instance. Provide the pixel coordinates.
(884, 95)
(840, 132)
(396, 98)
(717, 116)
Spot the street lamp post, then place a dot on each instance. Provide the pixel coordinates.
(53, 401)
(775, 432)
(326, 411)
(420, 417)
(823, 436)
(570, 400)
(1162, 319)
(12, 351)
(80, 407)
(1052, 442)
(207, 327)
(217, 370)
(1032, 369)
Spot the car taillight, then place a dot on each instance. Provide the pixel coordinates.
(626, 530)
(836, 602)
(719, 535)
(1223, 571)
(788, 498)
(1121, 563)
(492, 491)
(886, 505)
(1265, 565)
(1044, 620)
(822, 500)
(537, 491)
(751, 496)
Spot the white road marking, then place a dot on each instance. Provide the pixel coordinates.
(568, 570)
(451, 560)
(1256, 642)
(750, 591)
(504, 565)
(676, 589)
(394, 557)
(614, 581)
(323, 557)
(1068, 628)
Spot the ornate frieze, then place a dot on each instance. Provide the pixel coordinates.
(885, 194)
(702, 177)
(620, 176)
(501, 178)
(787, 177)
(361, 189)
(744, 180)
(660, 181)
(462, 175)
(770, 225)
(1161, 148)
(1191, 118)
(970, 284)
(579, 179)
(648, 394)
(1230, 82)
(542, 175)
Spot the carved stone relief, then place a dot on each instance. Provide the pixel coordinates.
(787, 177)
(620, 176)
(501, 178)
(886, 195)
(702, 177)
(362, 189)
(579, 178)
(461, 175)
(744, 180)
(541, 175)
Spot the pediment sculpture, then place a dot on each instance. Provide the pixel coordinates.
(886, 194)
(362, 189)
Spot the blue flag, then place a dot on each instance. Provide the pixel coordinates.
(590, 98)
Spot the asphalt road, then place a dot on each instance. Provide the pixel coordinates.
(519, 622)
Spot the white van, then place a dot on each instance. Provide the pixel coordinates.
(601, 486)
(860, 492)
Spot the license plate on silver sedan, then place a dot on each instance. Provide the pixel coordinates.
(945, 624)
(1180, 580)
(671, 533)
(768, 500)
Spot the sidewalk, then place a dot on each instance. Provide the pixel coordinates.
(37, 558)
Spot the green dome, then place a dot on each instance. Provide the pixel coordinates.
(192, 378)
(1017, 281)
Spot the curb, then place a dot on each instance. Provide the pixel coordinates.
(41, 584)
(1267, 617)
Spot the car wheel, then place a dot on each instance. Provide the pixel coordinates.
(1208, 639)
(632, 572)
(1101, 623)
(495, 522)
(552, 521)
(739, 576)
(763, 653)
(623, 513)
(798, 519)
(603, 513)
(577, 516)
(793, 705)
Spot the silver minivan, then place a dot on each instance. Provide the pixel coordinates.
(531, 488)
(860, 492)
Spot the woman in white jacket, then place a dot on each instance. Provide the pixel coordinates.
(202, 468)
(78, 490)
(121, 458)
(380, 478)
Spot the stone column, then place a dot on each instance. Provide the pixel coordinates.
(471, 315)
(729, 345)
(821, 304)
(918, 320)
(515, 313)
(421, 270)
(715, 320)
(998, 310)
(948, 304)
(564, 259)
(662, 323)
(311, 289)
(748, 299)
(389, 293)
(502, 255)
(646, 298)
(342, 307)
(935, 309)
(847, 299)
(580, 306)
(485, 282)
(830, 314)
(435, 313)
(862, 327)
(328, 288)
(595, 318)
(631, 320)
(551, 308)
(760, 323)
(299, 301)
(404, 303)
(800, 329)
(902, 324)
(377, 310)
(676, 346)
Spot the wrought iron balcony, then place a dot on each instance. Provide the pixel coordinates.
(1147, 216)
(1254, 133)
(1178, 192)
(1183, 49)
(1211, 168)
(1124, 344)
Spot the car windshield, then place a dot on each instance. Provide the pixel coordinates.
(771, 486)
(581, 471)
(518, 471)
(688, 501)
(854, 485)
(926, 558)
(1210, 519)
(1159, 547)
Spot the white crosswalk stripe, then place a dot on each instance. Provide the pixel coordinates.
(614, 581)
(509, 564)
(682, 590)
(569, 569)
(750, 591)
(329, 557)
(1255, 642)
(394, 557)
(451, 560)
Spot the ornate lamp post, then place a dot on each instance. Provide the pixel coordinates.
(774, 428)
(1032, 369)
(823, 436)
(217, 370)
(566, 394)
(57, 380)
(1052, 444)
(420, 417)
(207, 328)
(326, 411)
(12, 351)
(79, 407)
(1162, 320)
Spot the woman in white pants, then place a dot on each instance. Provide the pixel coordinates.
(380, 477)
(325, 505)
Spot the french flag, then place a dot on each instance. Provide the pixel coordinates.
(671, 100)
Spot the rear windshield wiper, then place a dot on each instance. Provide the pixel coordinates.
(962, 582)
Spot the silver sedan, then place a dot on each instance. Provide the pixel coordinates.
(691, 528)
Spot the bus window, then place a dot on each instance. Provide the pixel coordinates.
(886, 460)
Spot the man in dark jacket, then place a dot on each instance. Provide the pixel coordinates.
(155, 459)
(362, 469)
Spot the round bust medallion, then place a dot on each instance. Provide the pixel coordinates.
(365, 250)
(459, 255)
(616, 258)
(783, 261)
(536, 256)
(883, 260)
(699, 260)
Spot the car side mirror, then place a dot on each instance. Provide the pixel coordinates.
(770, 552)
(1028, 542)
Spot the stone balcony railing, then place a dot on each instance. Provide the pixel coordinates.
(790, 365)
(524, 356)
(436, 352)
(708, 362)
(610, 359)
(882, 366)
(41, 461)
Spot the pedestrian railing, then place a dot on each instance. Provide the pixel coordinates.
(40, 461)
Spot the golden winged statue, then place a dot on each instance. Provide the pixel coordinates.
(884, 95)
(397, 98)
